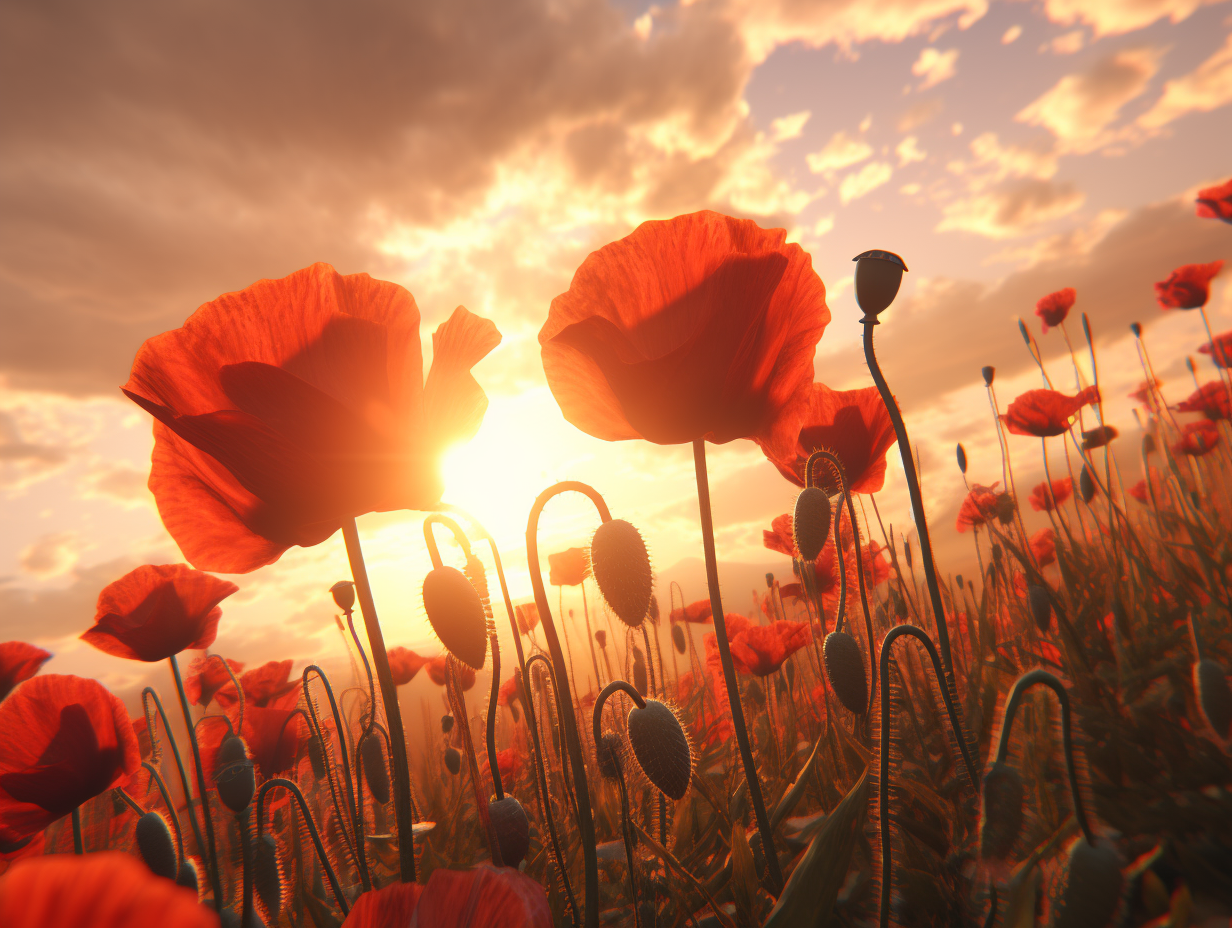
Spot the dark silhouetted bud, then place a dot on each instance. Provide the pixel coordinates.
(601, 637)
(453, 760)
(1006, 507)
(621, 567)
(187, 876)
(962, 458)
(607, 755)
(235, 777)
(1000, 811)
(989, 371)
(879, 274)
(156, 846)
(997, 554)
(1098, 437)
(446, 724)
(344, 594)
(845, 669)
(811, 522)
(769, 580)
(1086, 484)
(907, 551)
(661, 748)
(1086, 893)
(678, 639)
(1136, 329)
(959, 580)
(653, 613)
(456, 614)
(512, 829)
(1214, 695)
(375, 771)
(1041, 606)
(1148, 443)
(639, 671)
(267, 875)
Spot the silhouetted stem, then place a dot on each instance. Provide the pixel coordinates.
(239, 690)
(361, 848)
(457, 703)
(150, 692)
(313, 832)
(170, 806)
(491, 739)
(241, 822)
(597, 717)
(339, 730)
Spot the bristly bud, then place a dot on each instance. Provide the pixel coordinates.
(1041, 606)
(1136, 329)
(456, 614)
(1148, 443)
(446, 724)
(1086, 893)
(1214, 696)
(607, 755)
(621, 567)
(156, 846)
(1000, 811)
(453, 760)
(266, 875)
(316, 757)
(344, 595)
(678, 639)
(512, 829)
(235, 776)
(811, 522)
(639, 670)
(962, 458)
(375, 771)
(187, 876)
(661, 748)
(601, 637)
(845, 669)
(1086, 484)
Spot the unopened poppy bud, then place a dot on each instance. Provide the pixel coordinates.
(1086, 327)
(1189, 363)
(156, 846)
(607, 755)
(907, 551)
(1006, 507)
(879, 274)
(845, 670)
(678, 639)
(344, 595)
(959, 580)
(661, 748)
(1086, 893)
(601, 637)
(962, 458)
(512, 829)
(1098, 437)
(1214, 695)
(375, 770)
(446, 724)
(989, 372)
(1041, 606)
(1000, 811)
(811, 522)
(621, 568)
(1086, 485)
(453, 760)
(186, 876)
(1148, 444)
(235, 777)
(1136, 329)
(456, 614)
(997, 554)
(769, 580)
(267, 875)
(639, 671)
(316, 757)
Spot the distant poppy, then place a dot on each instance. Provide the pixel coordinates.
(702, 326)
(762, 649)
(1211, 399)
(527, 615)
(1140, 492)
(1044, 546)
(404, 664)
(1197, 438)
(979, 507)
(509, 763)
(206, 676)
(780, 536)
(154, 612)
(1062, 490)
(1188, 287)
(791, 591)
(855, 426)
(103, 890)
(1046, 413)
(19, 661)
(569, 567)
(1220, 350)
(1147, 389)
(1216, 202)
(485, 897)
(273, 737)
(438, 672)
(877, 567)
(269, 686)
(63, 740)
(1098, 437)
(1053, 308)
(510, 690)
(285, 408)
(699, 612)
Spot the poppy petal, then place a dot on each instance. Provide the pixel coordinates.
(454, 403)
(19, 661)
(391, 906)
(486, 897)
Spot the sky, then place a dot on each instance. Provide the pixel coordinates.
(158, 155)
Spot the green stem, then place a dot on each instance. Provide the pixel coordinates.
(149, 692)
(313, 832)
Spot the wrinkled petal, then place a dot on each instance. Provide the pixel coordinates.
(1046, 413)
(1220, 349)
(979, 506)
(781, 536)
(569, 567)
(206, 676)
(404, 664)
(486, 897)
(454, 403)
(1188, 287)
(1062, 490)
(19, 661)
(1211, 399)
(1197, 438)
(1053, 308)
(1216, 202)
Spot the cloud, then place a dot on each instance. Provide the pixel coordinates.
(1011, 35)
(1011, 208)
(865, 181)
(23, 461)
(1206, 88)
(50, 555)
(908, 150)
(68, 610)
(118, 483)
(840, 152)
(1114, 17)
(1037, 159)
(935, 66)
(920, 113)
(1066, 44)
(789, 127)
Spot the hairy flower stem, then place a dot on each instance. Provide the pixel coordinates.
(241, 822)
(389, 696)
(366, 732)
(148, 693)
(497, 786)
(457, 702)
(314, 833)
(339, 730)
(625, 827)
(774, 874)
(170, 807)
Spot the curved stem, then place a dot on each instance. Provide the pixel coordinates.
(150, 692)
(491, 730)
(315, 834)
(457, 703)
(241, 822)
(774, 874)
(239, 690)
(623, 687)
(615, 686)
(339, 729)
(175, 816)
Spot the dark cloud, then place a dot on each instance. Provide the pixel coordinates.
(44, 615)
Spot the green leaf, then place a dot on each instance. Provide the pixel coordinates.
(811, 891)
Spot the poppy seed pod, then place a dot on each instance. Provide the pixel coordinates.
(601, 637)
(453, 760)
(989, 372)
(958, 578)
(661, 747)
(512, 829)
(678, 640)
(155, 844)
(962, 458)
(375, 770)
(344, 595)
(1000, 811)
(267, 875)
(316, 757)
(811, 522)
(1086, 485)
(879, 274)
(607, 755)
(235, 777)
(446, 724)
(1041, 606)
(845, 669)
(456, 614)
(621, 567)
(187, 876)
(1087, 891)
(1214, 695)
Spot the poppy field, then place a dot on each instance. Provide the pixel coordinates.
(879, 741)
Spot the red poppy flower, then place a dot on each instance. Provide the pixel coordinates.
(404, 664)
(486, 897)
(63, 740)
(510, 690)
(509, 763)
(698, 612)
(391, 906)
(1188, 287)
(1216, 202)
(154, 612)
(1045, 413)
(19, 661)
(437, 672)
(1197, 438)
(791, 591)
(1098, 437)
(269, 686)
(527, 615)
(1211, 399)
(1053, 308)
(979, 507)
(105, 890)
(781, 536)
(1140, 492)
(1220, 350)
(287, 407)
(1147, 389)
(1044, 546)
(855, 426)
(1062, 490)
(761, 649)
(206, 676)
(702, 326)
(569, 567)
(877, 566)
(273, 737)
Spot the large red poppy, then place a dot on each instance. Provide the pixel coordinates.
(1197, 438)
(761, 649)
(1188, 287)
(285, 408)
(510, 690)
(1211, 399)
(269, 686)
(206, 676)
(699, 612)
(1053, 308)
(154, 612)
(106, 890)
(569, 567)
(702, 326)
(19, 661)
(1220, 350)
(1062, 490)
(855, 425)
(404, 664)
(980, 506)
(438, 672)
(273, 737)
(63, 740)
(1216, 202)
(486, 897)
(1045, 413)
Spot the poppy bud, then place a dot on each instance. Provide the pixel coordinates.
(988, 371)
(769, 580)
(1136, 329)
(811, 522)
(1098, 437)
(661, 747)
(316, 757)
(375, 770)
(453, 760)
(1148, 443)
(1087, 891)
(344, 595)
(639, 671)
(601, 637)
(879, 274)
(907, 551)
(621, 567)
(962, 458)
(1214, 695)
(187, 875)
(1006, 507)
(267, 875)
(958, 578)
(235, 777)
(678, 640)
(512, 829)
(653, 614)
(446, 724)
(1086, 327)
(1000, 811)
(456, 614)
(845, 669)
(1086, 485)
(997, 554)
(1041, 606)
(155, 844)
(607, 755)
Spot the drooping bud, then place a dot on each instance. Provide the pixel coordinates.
(988, 371)
(156, 845)
(1006, 507)
(958, 578)
(1041, 606)
(1086, 484)
(375, 771)
(678, 639)
(962, 458)
(811, 522)
(1136, 328)
(453, 760)
(661, 748)
(1214, 695)
(845, 670)
(607, 755)
(601, 638)
(512, 829)
(456, 614)
(997, 554)
(187, 876)
(446, 724)
(1001, 802)
(621, 567)
(344, 595)
(879, 274)
(267, 875)
(639, 670)
(235, 777)
(1086, 893)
